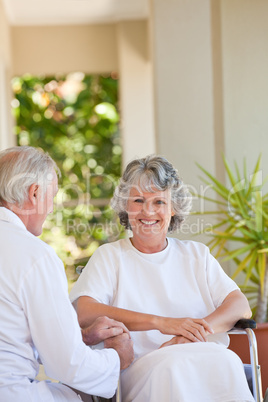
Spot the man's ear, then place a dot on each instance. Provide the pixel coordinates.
(33, 193)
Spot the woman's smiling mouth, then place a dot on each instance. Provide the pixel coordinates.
(146, 222)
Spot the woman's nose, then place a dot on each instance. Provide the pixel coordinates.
(148, 208)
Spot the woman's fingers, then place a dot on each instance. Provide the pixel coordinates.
(107, 323)
(196, 330)
(103, 328)
(176, 340)
(193, 334)
(205, 324)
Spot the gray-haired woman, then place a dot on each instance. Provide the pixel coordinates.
(167, 292)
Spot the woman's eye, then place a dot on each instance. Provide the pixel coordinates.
(139, 200)
(160, 202)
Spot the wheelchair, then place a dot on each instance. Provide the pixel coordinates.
(252, 370)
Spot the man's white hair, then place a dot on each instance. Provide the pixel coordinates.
(20, 167)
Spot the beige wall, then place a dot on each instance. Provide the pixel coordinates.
(210, 63)
(182, 60)
(136, 90)
(5, 50)
(6, 137)
(63, 49)
(245, 72)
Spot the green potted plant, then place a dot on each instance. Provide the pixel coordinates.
(242, 219)
(240, 234)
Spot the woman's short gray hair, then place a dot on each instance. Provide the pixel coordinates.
(20, 167)
(152, 173)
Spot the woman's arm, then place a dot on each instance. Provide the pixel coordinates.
(234, 307)
(88, 309)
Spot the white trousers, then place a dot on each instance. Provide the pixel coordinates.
(193, 372)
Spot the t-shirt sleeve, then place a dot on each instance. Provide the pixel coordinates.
(220, 284)
(98, 279)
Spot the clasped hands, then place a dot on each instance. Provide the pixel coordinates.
(114, 334)
(186, 330)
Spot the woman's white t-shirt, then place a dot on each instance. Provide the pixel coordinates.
(183, 280)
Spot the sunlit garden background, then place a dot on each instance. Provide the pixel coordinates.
(75, 119)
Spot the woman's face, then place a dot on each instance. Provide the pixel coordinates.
(149, 213)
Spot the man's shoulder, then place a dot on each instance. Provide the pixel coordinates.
(24, 242)
(40, 247)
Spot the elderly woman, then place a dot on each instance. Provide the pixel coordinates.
(172, 295)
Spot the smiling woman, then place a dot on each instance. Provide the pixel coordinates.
(149, 216)
(172, 295)
(152, 174)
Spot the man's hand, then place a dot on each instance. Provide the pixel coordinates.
(101, 329)
(124, 347)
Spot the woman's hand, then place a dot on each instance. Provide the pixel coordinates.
(193, 329)
(176, 340)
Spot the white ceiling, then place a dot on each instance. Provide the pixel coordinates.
(63, 12)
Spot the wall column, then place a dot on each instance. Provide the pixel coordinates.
(182, 62)
(7, 139)
(186, 54)
(245, 67)
(136, 88)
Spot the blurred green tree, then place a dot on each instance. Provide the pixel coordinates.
(75, 119)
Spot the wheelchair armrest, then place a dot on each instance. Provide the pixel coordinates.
(245, 323)
(246, 326)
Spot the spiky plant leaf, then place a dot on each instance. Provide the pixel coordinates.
(242, 217)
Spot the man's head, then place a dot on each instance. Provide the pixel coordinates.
(28, 184)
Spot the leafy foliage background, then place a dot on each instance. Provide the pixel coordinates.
(75, 119)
